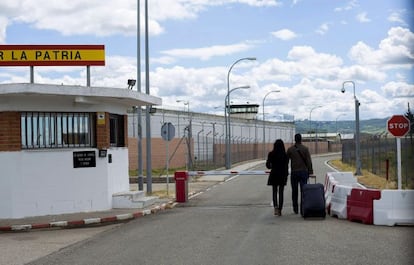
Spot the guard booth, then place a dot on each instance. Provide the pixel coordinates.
(63, 149)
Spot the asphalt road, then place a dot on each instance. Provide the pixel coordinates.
(233, 223)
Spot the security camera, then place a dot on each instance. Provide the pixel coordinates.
(343, 90)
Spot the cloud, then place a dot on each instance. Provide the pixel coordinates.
(105, 17)
(305, 75)
(364, 73)
(205, 53)
(3, 26)
(165, 60)
(362, 17)
(182, 81)
(303, 62)
(284, 34)
(398, 89)
(395, 50)
(308, 57)
(350, 5)
(396, 17)
(323, 29)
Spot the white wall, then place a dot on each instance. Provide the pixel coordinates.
(44, 182)
(118, 175)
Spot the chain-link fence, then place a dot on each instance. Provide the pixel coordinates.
(379, 155)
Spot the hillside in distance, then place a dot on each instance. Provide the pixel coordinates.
(371, 126)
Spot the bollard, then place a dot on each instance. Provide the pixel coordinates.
(181, 186)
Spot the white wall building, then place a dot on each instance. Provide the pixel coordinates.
(63, 149)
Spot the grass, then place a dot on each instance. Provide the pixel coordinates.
(367, 179)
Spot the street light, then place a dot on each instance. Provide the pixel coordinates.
(227, 113)
(310, 128)
(357, 145)
(189, 133)
(264, 123)
(131, 83)
(336, 122)
(228, 121)
(310, 118)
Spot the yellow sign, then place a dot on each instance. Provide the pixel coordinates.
(52, 55)
(101, 118)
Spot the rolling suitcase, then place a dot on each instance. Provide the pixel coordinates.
(313, 201)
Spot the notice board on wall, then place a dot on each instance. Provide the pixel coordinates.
(84, 159)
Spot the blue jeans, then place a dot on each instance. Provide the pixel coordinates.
(297, 178)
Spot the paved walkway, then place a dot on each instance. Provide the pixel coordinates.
(76, 220)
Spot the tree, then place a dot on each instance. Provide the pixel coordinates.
(410, 116)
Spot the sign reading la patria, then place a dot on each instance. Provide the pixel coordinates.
(52, 55)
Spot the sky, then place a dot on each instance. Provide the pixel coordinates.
(305, 50)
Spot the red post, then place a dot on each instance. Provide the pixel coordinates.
(181, 186)
(387, 168)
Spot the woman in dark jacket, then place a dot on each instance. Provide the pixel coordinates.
(278, 163)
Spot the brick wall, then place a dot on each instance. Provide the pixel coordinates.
(102, 133)
(103, 130)
(10, 131)
(158, 156)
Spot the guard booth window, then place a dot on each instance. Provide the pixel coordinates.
(57, 130)
(116, 133)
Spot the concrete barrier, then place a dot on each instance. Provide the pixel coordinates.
(396, 207)
(330, 183)
(333, 179)
(360, 206)
(338, 207)
(347, 199)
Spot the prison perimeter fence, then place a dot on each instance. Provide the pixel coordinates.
(379, 156)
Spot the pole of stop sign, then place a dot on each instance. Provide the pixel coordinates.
(398, 125)
(399, 162)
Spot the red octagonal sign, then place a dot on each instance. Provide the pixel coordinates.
(398, 125)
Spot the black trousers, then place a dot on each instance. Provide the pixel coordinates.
(298, 178)
(278, 190)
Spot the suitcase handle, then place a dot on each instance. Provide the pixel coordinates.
(313, 177)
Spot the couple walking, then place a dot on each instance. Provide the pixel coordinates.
(300, 167)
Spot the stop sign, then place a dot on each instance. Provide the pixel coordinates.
(398, 125)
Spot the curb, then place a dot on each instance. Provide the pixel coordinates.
(89, 221)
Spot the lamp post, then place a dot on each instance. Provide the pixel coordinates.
(148, 107)
(228, 131)
(139, 109)
(336, 122)
(310, 118)
(264, 123)
(214, 141)
(357, 144)
(310, 127)
(227, 113)
(189, 133)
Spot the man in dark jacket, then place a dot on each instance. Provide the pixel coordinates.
(300, 168)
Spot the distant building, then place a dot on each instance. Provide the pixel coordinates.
(244, 111)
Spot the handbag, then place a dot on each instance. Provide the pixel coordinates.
(268, 164)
